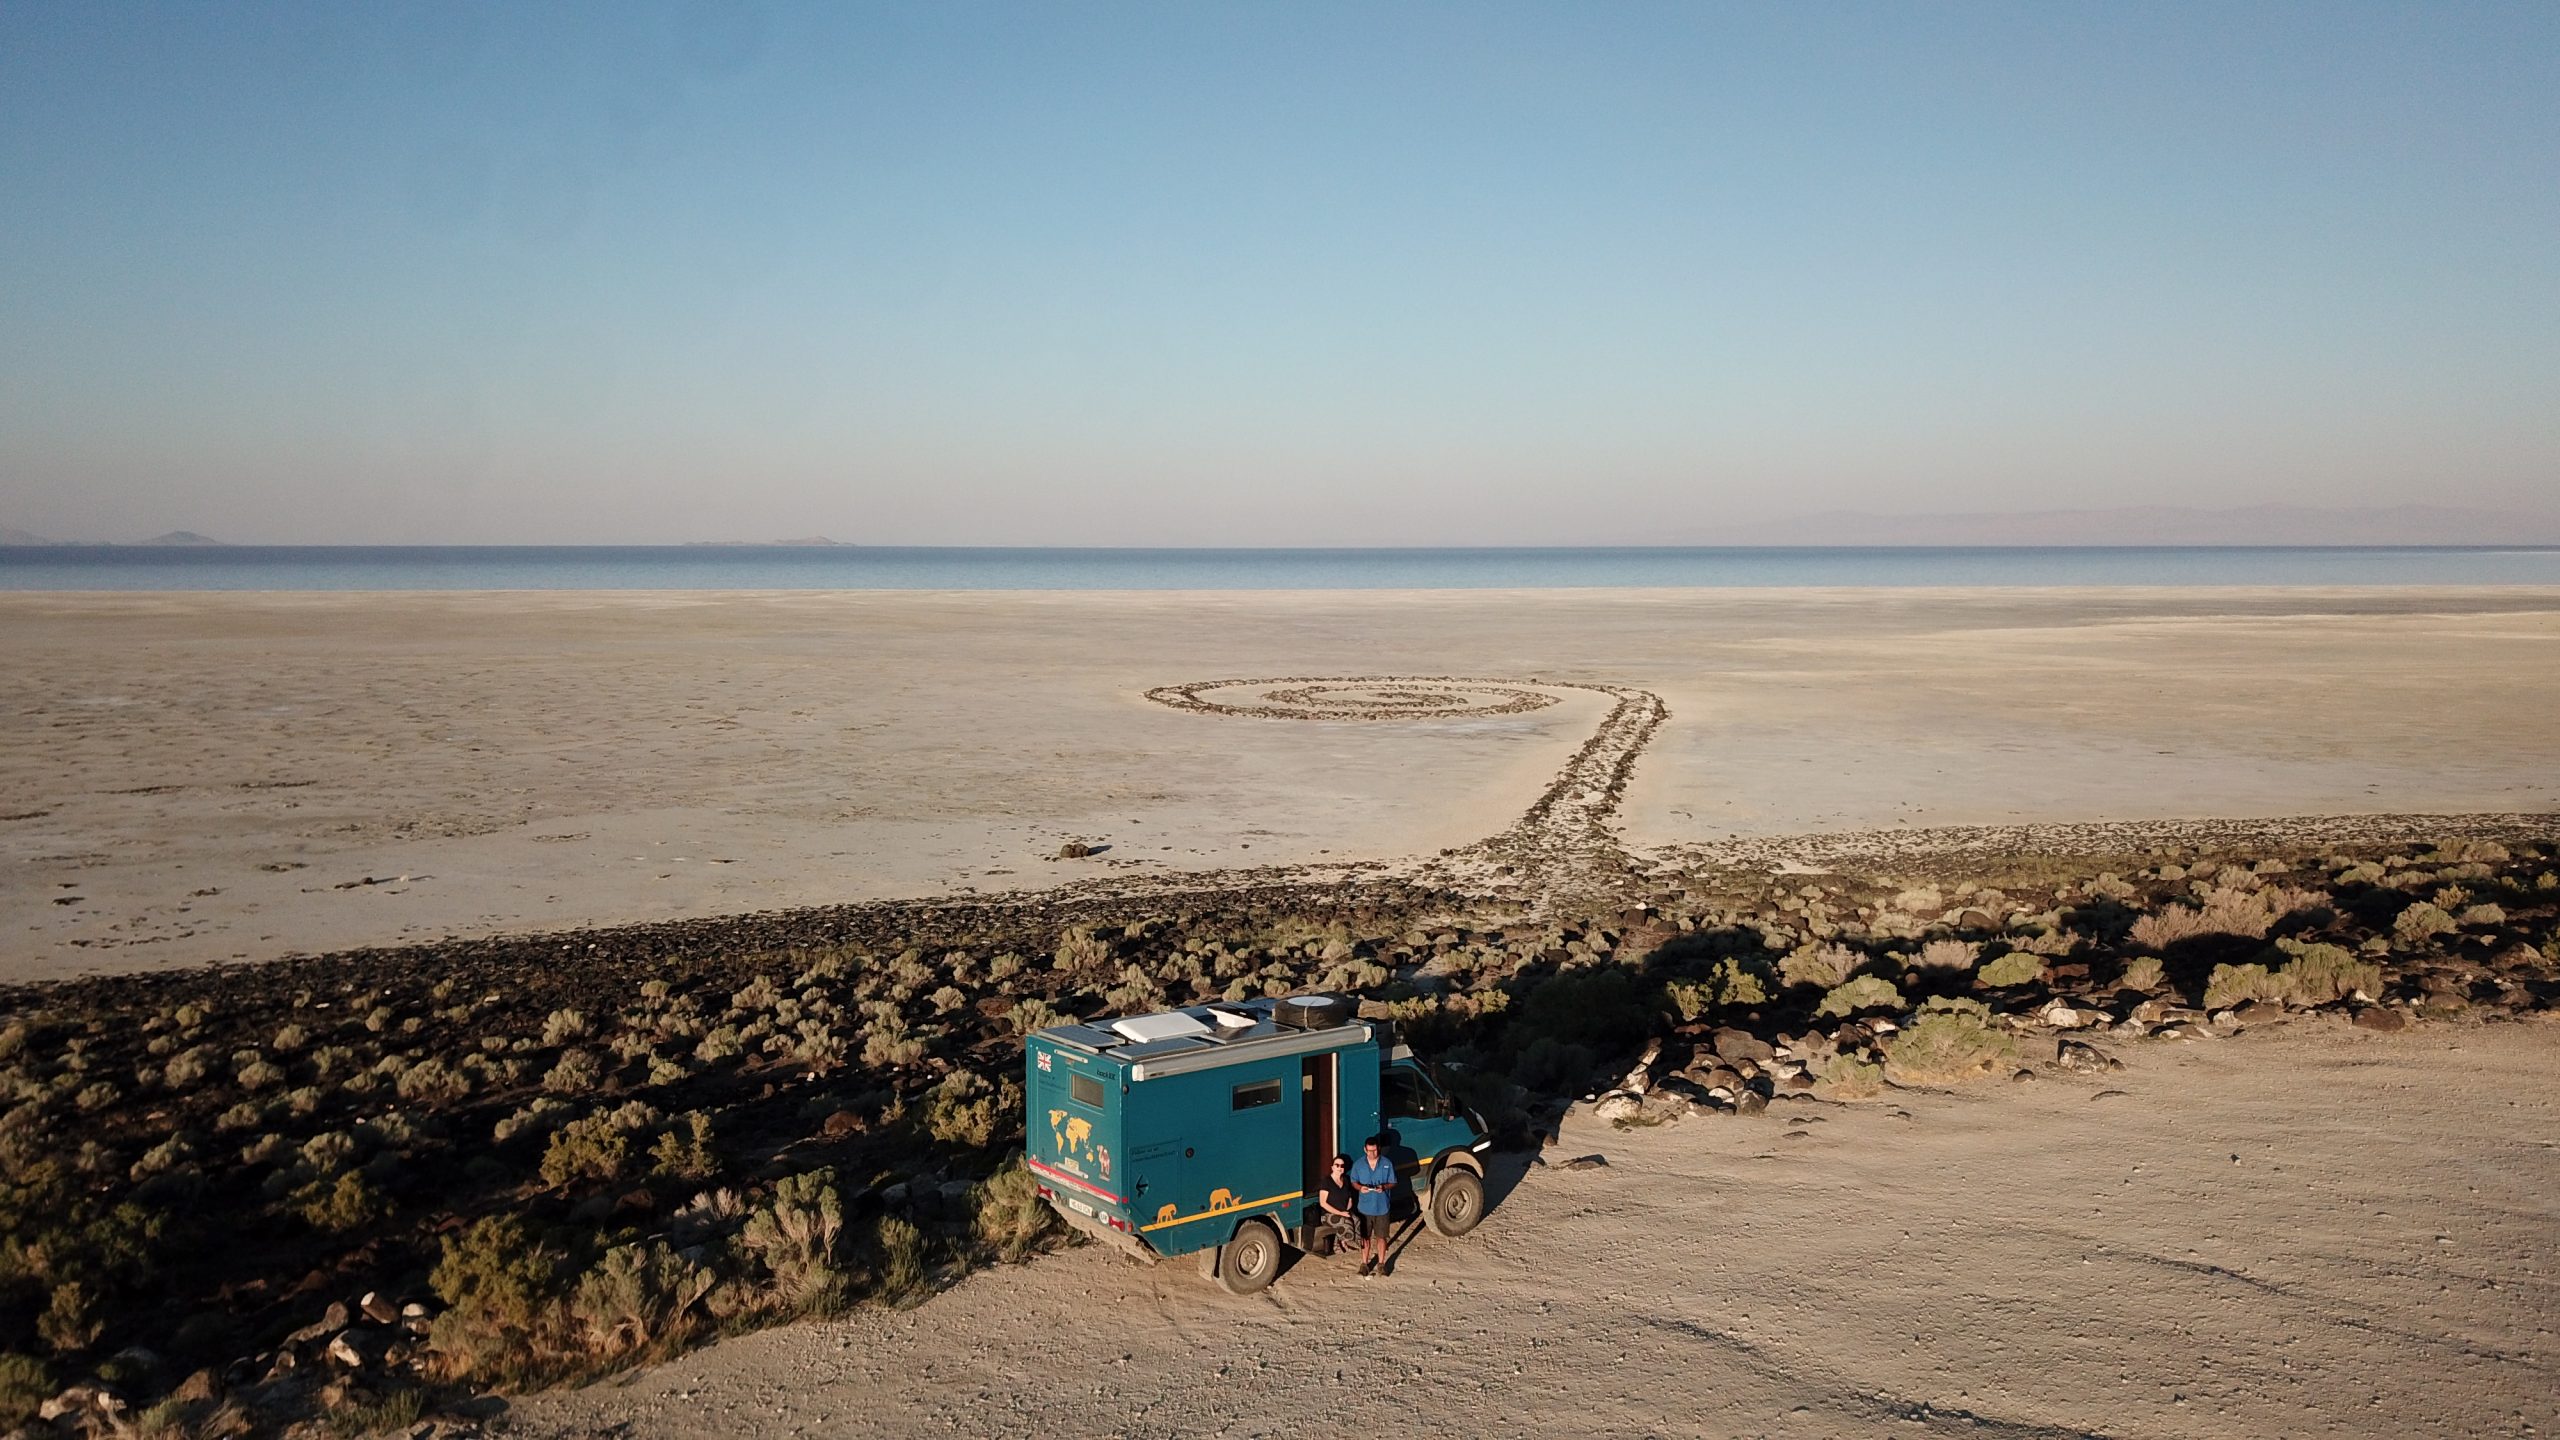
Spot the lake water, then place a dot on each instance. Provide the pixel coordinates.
(708, 567)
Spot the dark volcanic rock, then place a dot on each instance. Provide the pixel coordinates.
(1735, 1046)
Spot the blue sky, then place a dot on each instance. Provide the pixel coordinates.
(1192, 273)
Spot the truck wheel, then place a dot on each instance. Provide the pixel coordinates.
(1247, 1263)
(1456, 1203)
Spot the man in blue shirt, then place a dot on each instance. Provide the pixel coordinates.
(1374, 1175)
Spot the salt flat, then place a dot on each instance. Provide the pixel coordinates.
(205, 776)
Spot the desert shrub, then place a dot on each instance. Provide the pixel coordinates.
(1004, 967)
(1033, 1013)
(304, 1101)
(816, 1044)
(70, 1321)
(591, 1149)
(541, 1117)
(193, 1014)
(330, 1060)
(966, 1110)
(97, 1095)
(2018, 967)
(792, 1238)
(188, 1068)
(596, 1147)
(25, 1383)
(391, 1413)
(379, 1018)
(1846, 1077)
(663, 1071)
(166, 1156)
(247, 1115)
(721, 1044)
(1730, 984)
(2421, 922)
(329, 1150)
(395, 1131)
(2143, 973)
(290, 1038)
(494, 1281)
(1946, 957)
(562, 1026)
(2320, 974)
(2225, 911)
(577, 1072)
(635, 1299)
(340, 1205)
(904, 1272)
(267, 1149)
(886, 1043)
(756, 997)
(685, 1152)
(1135, 994)
(2483, 915)
(1823, 964)
(430, 1081)
(2232, 984)
(1080, 951)
(947, 999)
(1012, 1219)
(1867, 992)
(1944, 1045)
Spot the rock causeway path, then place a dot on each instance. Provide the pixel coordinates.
(1566, 842)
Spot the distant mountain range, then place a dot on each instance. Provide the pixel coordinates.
(2162, 525)
(2133, 525)
(12, 535)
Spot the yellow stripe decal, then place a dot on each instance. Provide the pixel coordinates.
(1230, 1210)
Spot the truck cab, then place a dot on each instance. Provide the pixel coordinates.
(1206, 1130)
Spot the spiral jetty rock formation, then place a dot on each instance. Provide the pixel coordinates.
(1565, 840)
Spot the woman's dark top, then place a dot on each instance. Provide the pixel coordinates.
(1337, 1196)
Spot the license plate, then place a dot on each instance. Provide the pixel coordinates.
(1081, 1208)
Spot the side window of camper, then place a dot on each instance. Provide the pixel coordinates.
(1408, 1095)
(1085, 1090)
(1257, 1095)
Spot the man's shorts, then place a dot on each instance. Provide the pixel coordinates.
(1374, 1227)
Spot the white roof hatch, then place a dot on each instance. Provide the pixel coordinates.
(1167, 1026)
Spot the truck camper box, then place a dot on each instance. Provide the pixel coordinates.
(1207, 1129)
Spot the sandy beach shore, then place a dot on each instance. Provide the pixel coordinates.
(202, 777)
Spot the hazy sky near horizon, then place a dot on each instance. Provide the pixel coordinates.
(1262, 274)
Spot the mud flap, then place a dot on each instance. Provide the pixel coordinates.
(1120, 1240)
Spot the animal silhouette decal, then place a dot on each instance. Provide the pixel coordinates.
(1222, 1199)
(1165, 1215)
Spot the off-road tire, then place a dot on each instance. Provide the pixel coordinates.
(1248, 1262)
(1456, 1201)
(1313, 1012)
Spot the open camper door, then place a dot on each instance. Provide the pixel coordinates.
(1320, 1092)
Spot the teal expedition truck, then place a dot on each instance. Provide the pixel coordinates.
(1206, 1130)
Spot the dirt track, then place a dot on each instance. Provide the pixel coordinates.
(2309, 1230)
